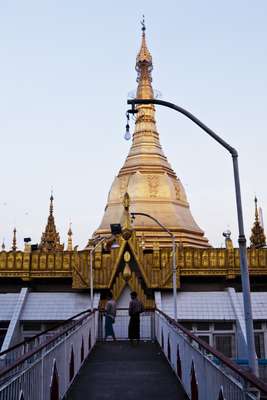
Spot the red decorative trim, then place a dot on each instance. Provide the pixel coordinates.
(54, 388)
(194, 387)
(71, 365)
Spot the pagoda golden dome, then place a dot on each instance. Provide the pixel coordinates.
(149, 179)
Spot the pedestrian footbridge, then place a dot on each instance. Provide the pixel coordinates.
(71, 362)
(119, 370)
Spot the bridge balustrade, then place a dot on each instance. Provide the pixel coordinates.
(47, 370)
(52, 360)
(11, 355)
(205, 373)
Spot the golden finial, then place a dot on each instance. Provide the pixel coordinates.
(144, 54)
(256, 209)
(144, 67)
(14, 242)
(70, 231)
(70, 247)
(126, 220)
(126, 201)
(143, 24)
(127, 270)
(257, 238)
(51, 203)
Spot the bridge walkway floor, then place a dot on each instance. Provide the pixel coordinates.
(118, 370)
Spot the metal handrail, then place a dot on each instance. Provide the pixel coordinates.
(248, 376)
(46, 343)
(153, 309)
(33, 338)
(55, 327)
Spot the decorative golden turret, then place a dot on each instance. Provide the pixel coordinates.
(14, 242)
(50, 240)
(70, 246)
(149, 178)
(257, 238)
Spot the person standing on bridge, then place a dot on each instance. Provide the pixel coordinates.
(110, 314)
(136, 307)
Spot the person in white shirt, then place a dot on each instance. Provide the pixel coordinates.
(110, 314)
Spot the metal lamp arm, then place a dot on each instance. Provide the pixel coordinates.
(189, 115)
(173, 258)
(242, 239)
(133, 214)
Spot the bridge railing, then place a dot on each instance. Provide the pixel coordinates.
(47, 370)
(9, 356)
(147, 324)
(204, 372)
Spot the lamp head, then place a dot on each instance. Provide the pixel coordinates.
(115, 229)
(115, 245)
(227, 234)
(127, 135)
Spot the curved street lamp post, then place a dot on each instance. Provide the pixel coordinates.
(92, 248)
(252, 360)
(133, 214)
(91, 252)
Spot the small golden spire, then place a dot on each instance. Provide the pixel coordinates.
(51, 204)
(14, 242)
(70, 246)
(256, 209)
(126, 201)
(3, 244)
(50, 240)
(257, 238)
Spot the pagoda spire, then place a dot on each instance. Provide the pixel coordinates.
(14, 241)
(50, 240)
(257, 238)
(144, 67)
(148, 177)
(51, 205)
(146, 148)
(70, 246)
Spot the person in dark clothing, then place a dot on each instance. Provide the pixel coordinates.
(136, 307)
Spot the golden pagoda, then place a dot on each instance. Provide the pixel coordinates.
(141, 260)
(149, 179)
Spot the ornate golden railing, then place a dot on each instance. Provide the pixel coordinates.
(154, 265)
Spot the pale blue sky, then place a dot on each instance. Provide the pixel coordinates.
(66, 68)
